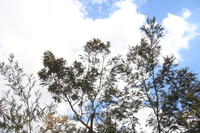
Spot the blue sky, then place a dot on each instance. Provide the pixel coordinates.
(30, 27)
(160, 9)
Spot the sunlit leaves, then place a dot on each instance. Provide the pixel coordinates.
(96, 46)
(56, 124)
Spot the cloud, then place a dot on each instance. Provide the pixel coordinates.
(178, 33)
(31, 27)
(98, 1)
(142, 115)
(121, 28)
(186, 13)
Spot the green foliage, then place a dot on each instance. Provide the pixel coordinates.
(171, 93)
(89, 84)
(19, 113)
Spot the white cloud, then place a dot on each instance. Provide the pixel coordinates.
(142, 115)
(121, 28)
(186, 13)
(31, 27)
(178, 33)
(97, 1)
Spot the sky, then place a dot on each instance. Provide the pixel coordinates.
(30, 27)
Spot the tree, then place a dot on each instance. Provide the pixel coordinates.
(120, 117)
(89, 86)
(171, 93)
(19, 113)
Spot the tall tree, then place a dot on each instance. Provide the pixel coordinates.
(169, 91)
(89, 86)
(86, 85)
(19, 113)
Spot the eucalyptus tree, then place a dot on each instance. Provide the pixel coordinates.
(170, 92)
(89, 85)
(21, 110)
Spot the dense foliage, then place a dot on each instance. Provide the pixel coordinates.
(89, 86)
(105, 93)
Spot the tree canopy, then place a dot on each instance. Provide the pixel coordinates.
(169, 90)
(88, 85)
